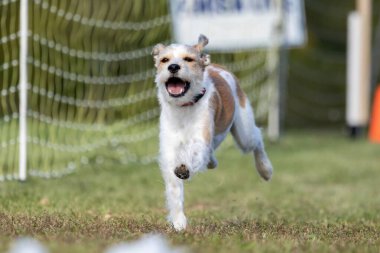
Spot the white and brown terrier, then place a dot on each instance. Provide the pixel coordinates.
(200, 104)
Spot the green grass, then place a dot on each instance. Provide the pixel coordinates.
(324, 197)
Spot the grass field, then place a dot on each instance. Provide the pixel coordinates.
(324, 197)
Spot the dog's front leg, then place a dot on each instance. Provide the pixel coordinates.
(192, 157)
(174, 200)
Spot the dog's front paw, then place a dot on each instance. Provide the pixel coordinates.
(182, 172)
(179, 222)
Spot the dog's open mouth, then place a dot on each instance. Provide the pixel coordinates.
(177, 87)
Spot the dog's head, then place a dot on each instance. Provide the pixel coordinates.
(180, 70)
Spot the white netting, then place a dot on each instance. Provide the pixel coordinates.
(91, 96)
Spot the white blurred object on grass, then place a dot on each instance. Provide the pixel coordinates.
(147, 244)
(27, 245)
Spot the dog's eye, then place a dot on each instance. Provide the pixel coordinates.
(163, 60)
(188, 59)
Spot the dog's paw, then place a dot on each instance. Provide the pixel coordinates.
(179, 222)
(182, 172)
(263, 165)
(213, 163)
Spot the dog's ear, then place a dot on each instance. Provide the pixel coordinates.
(202, 42)
(206, 59)
(157, 49)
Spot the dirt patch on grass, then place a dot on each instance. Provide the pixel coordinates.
(73, 228)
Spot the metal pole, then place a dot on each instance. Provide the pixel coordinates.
(274, 116)
(376, 57)
(23, 86)
(364, 8)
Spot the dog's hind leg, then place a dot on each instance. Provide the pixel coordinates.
(248, 137)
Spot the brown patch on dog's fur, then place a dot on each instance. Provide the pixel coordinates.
(218, 66)
(222, 102)
(239, 91)
(240, 94)
(196, 65)
(207, 130)
(189, 54)
(160, 65)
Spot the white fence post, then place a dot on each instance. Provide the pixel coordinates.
(354, 116)
(23, 86)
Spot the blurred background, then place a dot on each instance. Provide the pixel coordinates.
(90, 79)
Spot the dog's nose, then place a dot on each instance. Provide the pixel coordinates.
(173, 68)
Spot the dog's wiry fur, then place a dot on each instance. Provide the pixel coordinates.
(190, 129)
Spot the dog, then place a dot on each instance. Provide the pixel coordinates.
(200, 104)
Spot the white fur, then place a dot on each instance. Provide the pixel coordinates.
(182, 142)
(182, 139)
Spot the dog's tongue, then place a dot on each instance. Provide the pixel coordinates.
(176, 88)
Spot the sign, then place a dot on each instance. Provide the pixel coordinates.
(237, 24)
